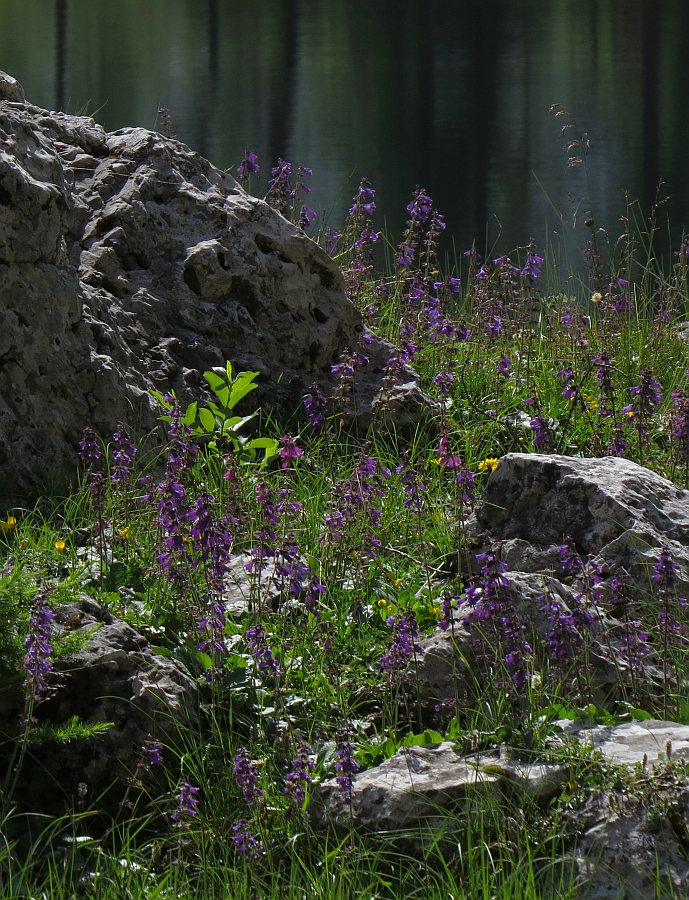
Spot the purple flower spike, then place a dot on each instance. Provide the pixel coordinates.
(89, 451)
(245, 776)
(248, 166)
(404, 646)
(154, 752)
(244, 842)
(38, 658)
(288, 450)
(345, 766)
(187, 801)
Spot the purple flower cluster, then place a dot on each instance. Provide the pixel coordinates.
(248, 166)
(562, 636)
(288, 450)
(532, 266)
(647, 396)
(187, 801)
(345, 765)
(315, 404)
(89, 450)
(664, 574)
(356, 512)
(154, 753)
(343, 372)
(123, 454)
(299, 776)
(404, 645)
(419, 209)
(259, 648)
(245, 844)
(246, 778)
(679, 425)
(414, 490)
(38, 657)
(542, 435)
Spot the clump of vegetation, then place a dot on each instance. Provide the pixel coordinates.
(345, 541)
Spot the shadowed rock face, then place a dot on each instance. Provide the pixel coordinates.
(128, 262)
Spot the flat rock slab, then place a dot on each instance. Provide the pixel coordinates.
(416, 784)
(629, 743)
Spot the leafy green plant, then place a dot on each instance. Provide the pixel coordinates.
(215, 422)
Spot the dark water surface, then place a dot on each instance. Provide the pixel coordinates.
(451, 95)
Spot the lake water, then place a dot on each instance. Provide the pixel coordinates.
(454, 96)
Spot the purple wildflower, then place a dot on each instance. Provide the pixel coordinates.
(404, 645)
(89, 451)
(562, 635)
(634, 644)
(665, 571)
(448, 606)
(315, 405)
(154, 752)
(345, 765)
(248, 166)
(261, 652)
(413, 489)
(123, 454)
(245, 776)
(504, 367)
(187, 801)
(444, 380)
(306, 217)
(288, 450)
(532, 267)
(280, 190)
(245, 844)
(38, 657)
(299, 776)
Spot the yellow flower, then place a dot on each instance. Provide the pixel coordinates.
(591, 402)
(60, 545)
(597, 297)
(489, 464)
(382, 601)
(124, 533)
(9, 523)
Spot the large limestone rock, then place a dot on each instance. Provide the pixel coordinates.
(129, 262)
(617, 841)
(612, 508)
(114, 677)
(617, 512)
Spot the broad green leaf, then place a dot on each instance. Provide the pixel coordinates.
(243, 384)
(189, 416)
(236, 422)
(214, 380)
(207, 420)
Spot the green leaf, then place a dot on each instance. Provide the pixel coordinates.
(215, 381)
(236, 422)
(189, 416)
(243, 384)
(207, 419)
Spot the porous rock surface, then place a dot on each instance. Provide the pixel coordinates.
(129, 262)
(615, 842)
(113, 677)
(614, 510)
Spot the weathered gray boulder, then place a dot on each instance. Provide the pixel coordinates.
(114, 677)
(128, 262)
(613, 508)
(616, 842)
(632, 842)
(420, 785)
(620, 513)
